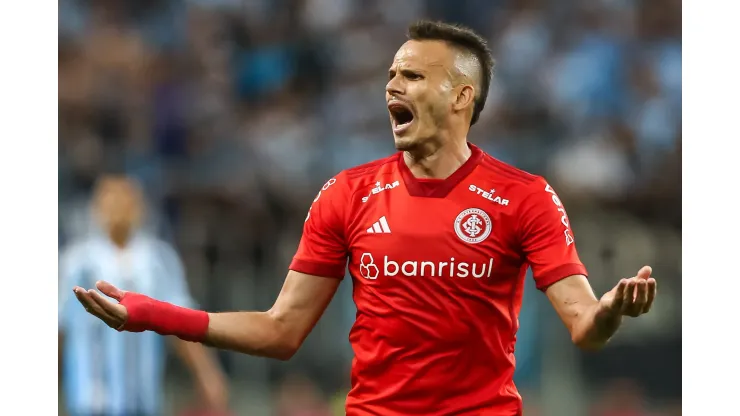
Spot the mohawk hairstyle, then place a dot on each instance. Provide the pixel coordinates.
(465, 40)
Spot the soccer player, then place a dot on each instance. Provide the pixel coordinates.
(437, 239)
(109, 373)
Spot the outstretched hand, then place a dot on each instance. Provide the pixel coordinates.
(633, 296)
(113, 314)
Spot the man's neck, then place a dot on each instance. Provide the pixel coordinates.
(438, 162)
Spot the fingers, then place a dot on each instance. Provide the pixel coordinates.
(652, 291)
(640, 298)
(110, 290)
(92, 307)
(640, 293)
(634, 298)
(116, 311)
(628, 296)
(619, 295)
(645, 273)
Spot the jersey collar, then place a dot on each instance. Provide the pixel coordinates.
(438, 188)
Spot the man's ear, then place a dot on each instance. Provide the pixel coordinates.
(465, 96)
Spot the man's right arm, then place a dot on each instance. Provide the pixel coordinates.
(276, 333)
(279, 332)
(315, 274)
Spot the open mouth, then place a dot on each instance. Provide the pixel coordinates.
(401, 116)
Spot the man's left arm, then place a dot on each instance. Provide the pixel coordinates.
(549, 246)
(592, 322)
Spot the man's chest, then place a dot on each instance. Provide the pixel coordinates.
(469, 234)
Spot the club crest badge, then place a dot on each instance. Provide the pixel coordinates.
(473, 225)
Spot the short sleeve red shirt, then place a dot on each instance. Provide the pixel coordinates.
(438, 271)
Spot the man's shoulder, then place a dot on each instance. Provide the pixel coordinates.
(508, 173)
(370, 169)
(497, 180)
(360, 176)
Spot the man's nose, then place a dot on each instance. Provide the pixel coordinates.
(394, 86)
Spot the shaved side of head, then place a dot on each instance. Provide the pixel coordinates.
(468, 71)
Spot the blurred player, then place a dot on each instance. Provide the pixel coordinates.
(109, 373)
(438, 237)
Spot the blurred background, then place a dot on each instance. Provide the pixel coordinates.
(232, 113)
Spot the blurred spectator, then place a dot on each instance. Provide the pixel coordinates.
(111, 373)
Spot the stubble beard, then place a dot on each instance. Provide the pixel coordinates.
(422, 142)
(406, 144)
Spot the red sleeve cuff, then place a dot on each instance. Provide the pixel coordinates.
(559, 273)
(333, 270)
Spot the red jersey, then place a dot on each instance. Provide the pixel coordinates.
(438, 271)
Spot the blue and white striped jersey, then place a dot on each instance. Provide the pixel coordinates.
(107, 372)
